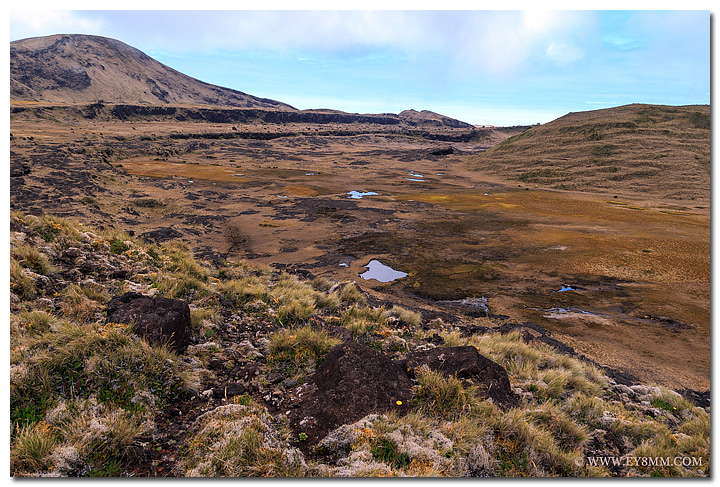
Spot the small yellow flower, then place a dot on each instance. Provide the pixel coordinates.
(398, 402)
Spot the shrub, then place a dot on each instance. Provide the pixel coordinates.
(386, 451)
(148, 203)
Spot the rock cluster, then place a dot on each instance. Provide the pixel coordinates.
(159, 320)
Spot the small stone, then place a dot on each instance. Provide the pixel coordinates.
(289, 383)
(274, 378)
(216, 364)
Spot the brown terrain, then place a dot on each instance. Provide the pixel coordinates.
(595, 226)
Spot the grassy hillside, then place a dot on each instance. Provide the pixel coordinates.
(90, 398)
(657, 151)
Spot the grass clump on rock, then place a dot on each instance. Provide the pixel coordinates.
(295, 350)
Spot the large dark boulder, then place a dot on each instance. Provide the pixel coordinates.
(467, 363)
(158, 320)
(352, 382)
(161, 235)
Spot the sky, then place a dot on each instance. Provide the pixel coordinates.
(493, 67)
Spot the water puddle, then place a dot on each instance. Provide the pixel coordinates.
(359, 194)
(380, 272)
(564, 288)
(415, 177)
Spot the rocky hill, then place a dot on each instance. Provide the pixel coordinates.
(134, 359)
(653, 150)
(86, 69)
(426, 117)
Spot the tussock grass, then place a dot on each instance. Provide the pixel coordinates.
(293, 350)
(31, 258)
(295, 300)
(351, 294)
(537, 367)
(241, 441)
(362, 321)
(405, 316)
(243, 290)
(671, 401)
(37, 321)
(177, 285)
(83, 302)
(20, 282)
(567, 432)
(443, 396)
(50, 228)
(31, 447)
(321, 284)
(99, 439)
(81, 360)
(200, 317)
(177, 258)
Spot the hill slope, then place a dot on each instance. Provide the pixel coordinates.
(658, 151)
(91, 397)
(84, 69)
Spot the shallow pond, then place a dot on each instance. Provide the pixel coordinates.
(380, 272)
(359, 194)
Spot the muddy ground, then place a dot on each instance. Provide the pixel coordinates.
(625, 280)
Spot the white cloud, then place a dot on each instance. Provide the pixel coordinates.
(563, 53)
(32, 23)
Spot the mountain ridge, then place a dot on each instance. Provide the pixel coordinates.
(78, 68)
(83, 69)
